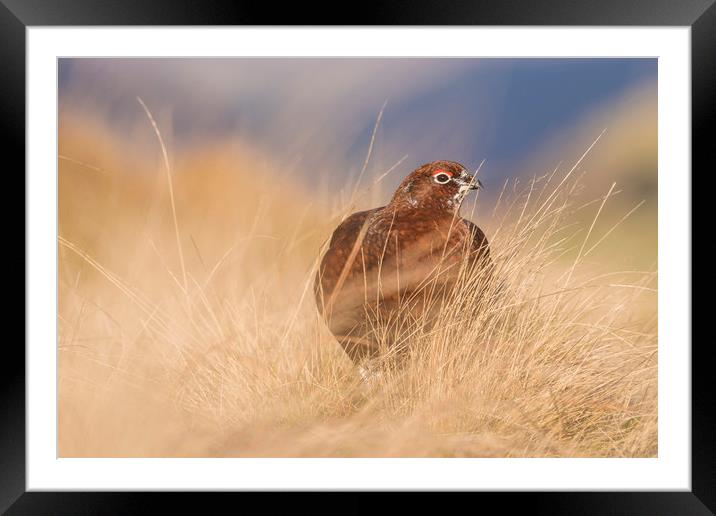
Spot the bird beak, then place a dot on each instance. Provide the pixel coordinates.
(469, 181)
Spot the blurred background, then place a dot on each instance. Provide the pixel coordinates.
(313, 118)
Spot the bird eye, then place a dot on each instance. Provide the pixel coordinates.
(442, 178)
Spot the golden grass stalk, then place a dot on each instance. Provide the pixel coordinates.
(170, 185)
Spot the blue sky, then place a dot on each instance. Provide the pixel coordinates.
(315, 111)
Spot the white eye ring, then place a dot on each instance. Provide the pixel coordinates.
(441, 178)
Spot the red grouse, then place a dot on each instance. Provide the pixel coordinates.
(385, 267)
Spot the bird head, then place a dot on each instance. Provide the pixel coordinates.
(440, 185)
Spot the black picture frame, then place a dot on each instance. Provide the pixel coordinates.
(17, 15)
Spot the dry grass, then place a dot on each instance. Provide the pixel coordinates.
(188, 327)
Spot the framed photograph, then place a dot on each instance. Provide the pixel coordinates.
(434, 250)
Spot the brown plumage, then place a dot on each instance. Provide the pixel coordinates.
(391, 264)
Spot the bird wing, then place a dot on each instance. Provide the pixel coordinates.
(478, 243)
(339, 250)
(347, 231)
